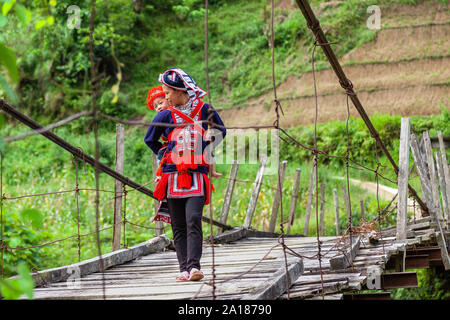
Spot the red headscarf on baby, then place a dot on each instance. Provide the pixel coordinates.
(154, 93)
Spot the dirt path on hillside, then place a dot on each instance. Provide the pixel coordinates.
(386, 193)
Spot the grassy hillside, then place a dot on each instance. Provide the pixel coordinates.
(55, 82)
(54, 60)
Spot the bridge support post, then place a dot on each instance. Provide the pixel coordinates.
(322, 209)
(336, 212)
(278, 194)
(159, 225)
(255, 192)
(403, 176)
(446, 175)
(309, 204)
(118, 187)
(294, 199)
(348, 207)
(432, 174)
(229, 194)
(442, 185)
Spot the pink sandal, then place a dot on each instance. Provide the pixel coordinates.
(196, 275)
(183, 276)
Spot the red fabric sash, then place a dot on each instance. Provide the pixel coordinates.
(161, 187)
(189, 119)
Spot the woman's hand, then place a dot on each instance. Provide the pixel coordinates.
(157, 179)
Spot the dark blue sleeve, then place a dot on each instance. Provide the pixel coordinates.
(154, 132)
(216, 119)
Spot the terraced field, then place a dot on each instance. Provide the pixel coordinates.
(405, 71)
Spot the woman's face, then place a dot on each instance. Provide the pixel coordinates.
(175, 97)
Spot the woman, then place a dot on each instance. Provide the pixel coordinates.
(184, 166)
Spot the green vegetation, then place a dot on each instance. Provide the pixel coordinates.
(55, 216)
(45, 72)
(54, 60)
(433, 284)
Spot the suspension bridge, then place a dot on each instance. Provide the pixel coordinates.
(240, 262)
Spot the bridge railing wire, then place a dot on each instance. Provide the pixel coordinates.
(76, 190)
(314, 151)
(340, 246)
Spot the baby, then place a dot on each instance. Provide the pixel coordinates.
(156, 100)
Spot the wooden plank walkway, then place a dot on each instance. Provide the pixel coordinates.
(245, 268)
(153, 276)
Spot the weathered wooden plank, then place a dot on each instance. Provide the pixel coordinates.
(255, 192)
(229, 193)
(331, 277)
(162, 285)
(159, 225)
(344, 261)
(348, 207)
(322, 209)
(402, 181)
(422, 172)
(260, 260)
(294, 199)
(229, 236)
(275, 286)
(220, 261)
(436, 209)
(278, 195)
(336, 212)
(363, 211)
(442, 243)
(442, 185)
(163, 275)
(309, 204)
(339, 296)
(440, 142)
(446, 173)
(93, 265)
(316, 290)
(432, 175)
(414, 226)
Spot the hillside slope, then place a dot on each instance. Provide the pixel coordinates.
(405, 71)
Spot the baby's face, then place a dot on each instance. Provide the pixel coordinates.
(160, 104)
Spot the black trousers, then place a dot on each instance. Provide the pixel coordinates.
(186, 215)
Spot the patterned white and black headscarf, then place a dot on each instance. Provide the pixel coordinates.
(180, 80)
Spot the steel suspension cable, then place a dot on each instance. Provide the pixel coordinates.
(278, 108)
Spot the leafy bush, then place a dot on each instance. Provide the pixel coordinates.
(332, 138)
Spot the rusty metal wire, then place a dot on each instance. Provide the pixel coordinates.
(77, 195)
(278, 108)
(339, 246)
(1, 213)
(6, 247)
(315, 165)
